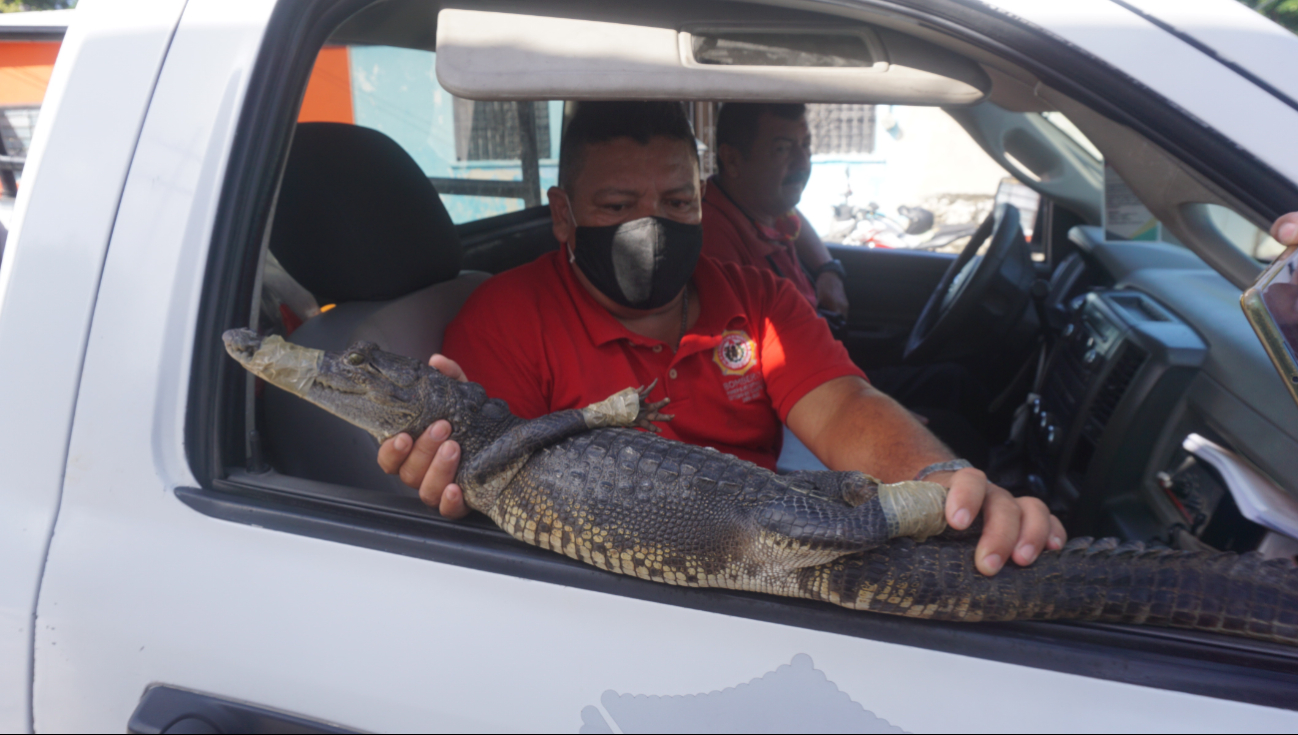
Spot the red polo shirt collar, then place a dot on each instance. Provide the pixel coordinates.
(717, 197)
(720, 310)
(744, 242)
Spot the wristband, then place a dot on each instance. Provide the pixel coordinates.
(948, 466)
(834, 266)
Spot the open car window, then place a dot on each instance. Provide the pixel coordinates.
(485, 158)
(1251, 240)
(900, 176)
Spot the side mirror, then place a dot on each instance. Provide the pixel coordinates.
(1271, 306)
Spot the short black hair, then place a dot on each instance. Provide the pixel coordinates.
(599, 122)
(737, 122)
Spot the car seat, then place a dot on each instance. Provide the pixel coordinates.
(360, 226)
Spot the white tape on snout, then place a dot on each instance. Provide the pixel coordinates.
(285, 365)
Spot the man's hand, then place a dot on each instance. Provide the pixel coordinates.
(1285, 229)
(1013, 528)
(830, 294)
(429, 463)
(851, 426)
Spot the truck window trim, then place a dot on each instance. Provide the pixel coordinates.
(1196, 663)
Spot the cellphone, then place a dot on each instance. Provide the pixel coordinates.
(1271, 306)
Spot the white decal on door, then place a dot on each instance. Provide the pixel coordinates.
(796, 697)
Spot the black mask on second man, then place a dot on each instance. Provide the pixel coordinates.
(641, 264)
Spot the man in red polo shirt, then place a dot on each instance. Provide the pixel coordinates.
(627, 300)
(750, 217)
(750, 211)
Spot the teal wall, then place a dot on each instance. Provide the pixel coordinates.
(395, 91)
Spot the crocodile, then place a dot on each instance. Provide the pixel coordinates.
(587, 484)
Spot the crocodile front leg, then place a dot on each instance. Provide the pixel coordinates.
(911, 508)
(490, 470)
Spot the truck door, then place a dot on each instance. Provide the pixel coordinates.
(192, 584)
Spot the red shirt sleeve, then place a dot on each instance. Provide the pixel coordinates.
(798, 352)
(490, 339)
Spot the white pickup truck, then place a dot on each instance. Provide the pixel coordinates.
(182, 551)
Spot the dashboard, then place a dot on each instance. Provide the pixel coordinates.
(1152, 354)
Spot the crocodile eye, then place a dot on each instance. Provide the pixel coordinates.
(355, 359)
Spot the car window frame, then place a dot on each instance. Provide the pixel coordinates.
(216, 444)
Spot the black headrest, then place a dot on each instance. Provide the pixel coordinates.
(357, 220)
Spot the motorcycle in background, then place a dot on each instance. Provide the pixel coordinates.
(913, 229)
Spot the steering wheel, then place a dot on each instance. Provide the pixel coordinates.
(986, 292)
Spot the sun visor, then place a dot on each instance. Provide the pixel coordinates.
(507, 56)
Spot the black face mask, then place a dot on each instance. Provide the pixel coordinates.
(641, 264)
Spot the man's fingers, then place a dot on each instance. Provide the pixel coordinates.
(440, 474)
(448, 367)
(1058, 536)
(415, 466)
(452, 505)
(1285, 229)
(968, 492)
(1001, 520)
(393, 452)
(1034, 529)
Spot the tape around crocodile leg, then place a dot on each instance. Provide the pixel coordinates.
(915, 509)
(620, 409)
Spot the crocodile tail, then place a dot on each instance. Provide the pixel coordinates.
(1243, 595)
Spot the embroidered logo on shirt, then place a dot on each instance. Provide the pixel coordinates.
(736, 353)
(747, 388)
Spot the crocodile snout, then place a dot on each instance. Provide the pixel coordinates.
(242, 344)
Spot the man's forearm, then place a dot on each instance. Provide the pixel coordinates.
(811, 250)
(851, 426)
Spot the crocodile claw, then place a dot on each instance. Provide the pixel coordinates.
(649, 411)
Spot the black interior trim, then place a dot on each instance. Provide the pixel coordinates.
(496, 244)
(1196, 663)
(472, 233)
(482, 188)
(165, 709)
(33, 33)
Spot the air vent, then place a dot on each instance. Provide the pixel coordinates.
(1068, 379)
(1114, 388)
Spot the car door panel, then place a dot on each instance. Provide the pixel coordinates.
(97, 98)
(319, 617)
(886, 289)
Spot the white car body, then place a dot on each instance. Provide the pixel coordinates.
(110, 584)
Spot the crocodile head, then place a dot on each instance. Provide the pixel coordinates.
(383, 393)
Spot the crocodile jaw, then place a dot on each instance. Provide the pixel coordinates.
(282, 364)
(384, 399)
